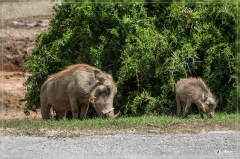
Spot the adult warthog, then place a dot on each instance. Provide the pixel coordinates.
(194, 90)
(78, 85)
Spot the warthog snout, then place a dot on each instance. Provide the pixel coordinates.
(211, 114)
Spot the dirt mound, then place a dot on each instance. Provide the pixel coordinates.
(22, 21)
(19, 40)
(15, 53)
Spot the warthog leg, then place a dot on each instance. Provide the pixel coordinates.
(200, 111)
(61, 114)
(74, 108)
(187, 108)
(83, 113)
(178, 105)
(45, 110)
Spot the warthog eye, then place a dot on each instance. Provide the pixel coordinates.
(108, 89)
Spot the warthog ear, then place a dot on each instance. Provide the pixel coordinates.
(204, 97)
(99, 76)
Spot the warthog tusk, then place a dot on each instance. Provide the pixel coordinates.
(118, 114)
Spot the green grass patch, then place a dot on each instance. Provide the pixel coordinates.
(143, 124)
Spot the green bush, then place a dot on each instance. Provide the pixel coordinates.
(147, 48)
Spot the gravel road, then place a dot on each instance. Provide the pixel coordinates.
(216, 144)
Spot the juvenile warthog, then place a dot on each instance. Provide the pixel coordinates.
(78, 85)
(194, 90)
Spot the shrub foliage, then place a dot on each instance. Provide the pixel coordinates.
(147, 48)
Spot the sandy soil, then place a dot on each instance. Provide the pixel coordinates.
(12, 97)
(22, 20)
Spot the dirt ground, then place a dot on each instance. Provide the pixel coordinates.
(22, 20)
